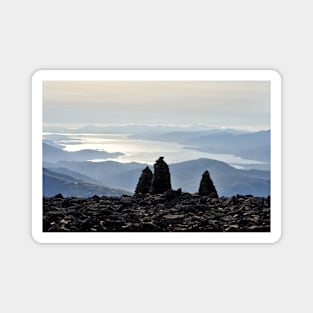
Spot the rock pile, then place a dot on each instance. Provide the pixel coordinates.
(157, 213)
(144, 183)
(207, 187)
(161, 180)
(155, 207)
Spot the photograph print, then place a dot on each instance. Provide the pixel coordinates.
(151, 152)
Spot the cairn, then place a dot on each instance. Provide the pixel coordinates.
(144, 183)
(161, 181)
(207, 187)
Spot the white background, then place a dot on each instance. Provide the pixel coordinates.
(144, 278)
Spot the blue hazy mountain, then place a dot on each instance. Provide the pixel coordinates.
(110, 173)
(248, 145)
(227, 179)
(74, 175)
(186, 175)
(54, 182)
(52, 153)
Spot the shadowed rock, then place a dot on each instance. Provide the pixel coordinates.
(172, 194)
(144, 183)
(161, 180)
(207, 187)
(152, 213)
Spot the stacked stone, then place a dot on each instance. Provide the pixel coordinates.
(144, 183)
(161, 181)
(207, 187)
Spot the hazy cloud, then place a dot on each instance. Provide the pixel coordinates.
(231, 104)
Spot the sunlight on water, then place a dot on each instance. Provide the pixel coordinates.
(137, 150)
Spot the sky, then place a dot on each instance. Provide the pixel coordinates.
(229, 104)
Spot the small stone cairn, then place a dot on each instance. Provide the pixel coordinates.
(207, 187)
(144, 183)
(159, 182)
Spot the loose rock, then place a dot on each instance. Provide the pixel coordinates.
(183, 213)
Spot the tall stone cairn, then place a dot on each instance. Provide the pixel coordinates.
(144, 183)
(207, 187)
(161, 180)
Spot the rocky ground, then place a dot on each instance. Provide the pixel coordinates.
(157, 213)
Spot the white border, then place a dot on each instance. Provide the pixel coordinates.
(151, 75)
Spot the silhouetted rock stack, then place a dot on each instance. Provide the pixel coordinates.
(144, 183)
(161, 180)
(207, 187)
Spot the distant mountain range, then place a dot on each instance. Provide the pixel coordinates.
(54, 182)
(186, 175)
(248, 145)
(227, 179)
(71, 173)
